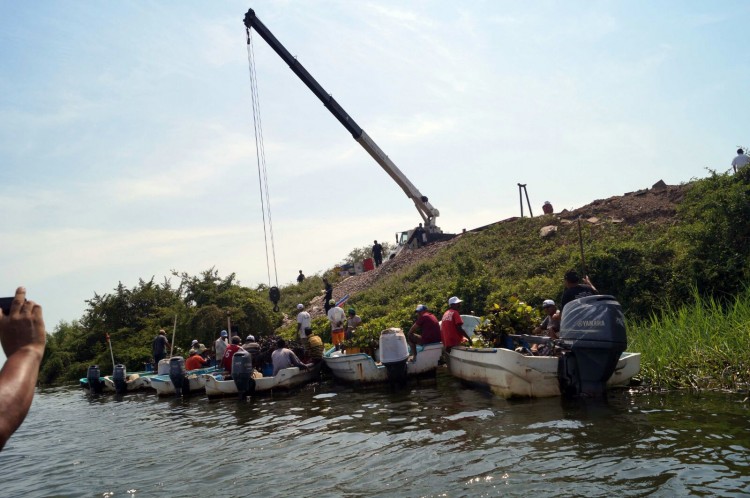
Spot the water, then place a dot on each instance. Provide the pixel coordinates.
(436, 439)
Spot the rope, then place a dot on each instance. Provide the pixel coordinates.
(265, 200)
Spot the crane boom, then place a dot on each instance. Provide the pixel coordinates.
(426, 210)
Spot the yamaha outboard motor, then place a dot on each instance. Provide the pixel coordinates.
(242, 373)
(177, 375)
(93, 377)
(393, 354)
(593, 331)
(119, 377)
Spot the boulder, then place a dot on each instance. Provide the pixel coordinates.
(548, 231)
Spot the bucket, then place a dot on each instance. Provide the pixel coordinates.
(369, 264)
(268, 371)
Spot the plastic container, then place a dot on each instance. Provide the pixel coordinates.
(393, 347)
(268, 371)
(368, 264)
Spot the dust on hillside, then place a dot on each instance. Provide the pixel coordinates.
(657, 204)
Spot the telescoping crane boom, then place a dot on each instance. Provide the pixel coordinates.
(426, 210)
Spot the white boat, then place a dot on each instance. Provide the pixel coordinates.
(287, 378)
(196, 380)
(511, 374)
(133, 382)
(362, 368)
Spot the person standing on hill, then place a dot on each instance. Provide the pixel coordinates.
(329, 295)
(741, 161)
(574, 289)
(451, 330)
(377, 254)
(159, 348)
(547, 208)
(300, 277)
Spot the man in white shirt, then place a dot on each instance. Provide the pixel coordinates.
(337, 318)
(220, 346)
(740, 161)
(304, 325)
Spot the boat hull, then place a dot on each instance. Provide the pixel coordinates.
(196, 380)
(134, 382)
(510, 374)
(362, 368)
(285, 379)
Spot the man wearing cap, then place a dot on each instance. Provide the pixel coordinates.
(220, 346)
(428, 326)
(304, 324)
(251, 347)
(352, 322)
(451, 328)
(574, 289)
(195, 361)
(159, 348)
(550, 326)
(226, 359)
(336, 317)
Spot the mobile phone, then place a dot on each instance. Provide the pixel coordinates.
(5, 305)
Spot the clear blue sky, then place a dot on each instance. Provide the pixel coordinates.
(126, 137)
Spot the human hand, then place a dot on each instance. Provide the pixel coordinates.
(24, 327)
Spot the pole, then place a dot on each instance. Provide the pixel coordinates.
(229, 328)
(531, 214)
(111, 354)
(520, 197)
(174, 330)
(580, 244)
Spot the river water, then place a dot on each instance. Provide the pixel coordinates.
(437, 438)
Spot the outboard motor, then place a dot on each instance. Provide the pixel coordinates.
(242, 373)
(593, 331)
(93, 377)
(119, 377)
(393, 354)
(177, 375)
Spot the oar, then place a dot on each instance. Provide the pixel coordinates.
(174, 329)
(580, 243)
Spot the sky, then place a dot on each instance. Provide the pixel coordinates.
(126, 128)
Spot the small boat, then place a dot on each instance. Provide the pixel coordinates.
(195, 380)
(510, 374)
(287, 378)
(362, 368)
(120, 381)
(593, 338)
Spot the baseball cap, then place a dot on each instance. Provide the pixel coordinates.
(300, 306)
(250, 338)
(454, 300)
(195, 341)
(223, 333)
(548, 302)
(421, 307)
(332, 302)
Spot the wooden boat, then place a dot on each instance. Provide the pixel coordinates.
(363, 368)
(196, 380)
(511, 374)
(287, 378)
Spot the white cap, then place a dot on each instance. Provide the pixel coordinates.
(454, 300)
(548, 302)
(195, 341)
(300, 306)
(250, 338)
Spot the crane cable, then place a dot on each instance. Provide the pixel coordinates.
(265, 200)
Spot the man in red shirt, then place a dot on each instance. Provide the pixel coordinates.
(428, 327)
(226, 360)
(451, 326)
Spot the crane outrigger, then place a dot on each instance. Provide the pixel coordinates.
(426, 210)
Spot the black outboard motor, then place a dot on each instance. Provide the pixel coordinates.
(242, 373)
(393, 354)
(593, 331)
(120, 378)
(93, 377)
(177, 375)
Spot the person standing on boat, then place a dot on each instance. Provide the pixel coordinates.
(220, 346)
(336, 317)
(159, 348)
(429, 328)
(574, 289)
(23, 338)
(226, 360)
(352, 322)
(304, 325)
(377, 253)
(451, 330)
(282, 358)
(329, 295)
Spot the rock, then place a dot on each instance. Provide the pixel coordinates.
(660, 185)
(593, 220)
(548, 231)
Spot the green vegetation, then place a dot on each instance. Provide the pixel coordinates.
(681, 285)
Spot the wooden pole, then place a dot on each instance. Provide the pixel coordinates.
(580, 244)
